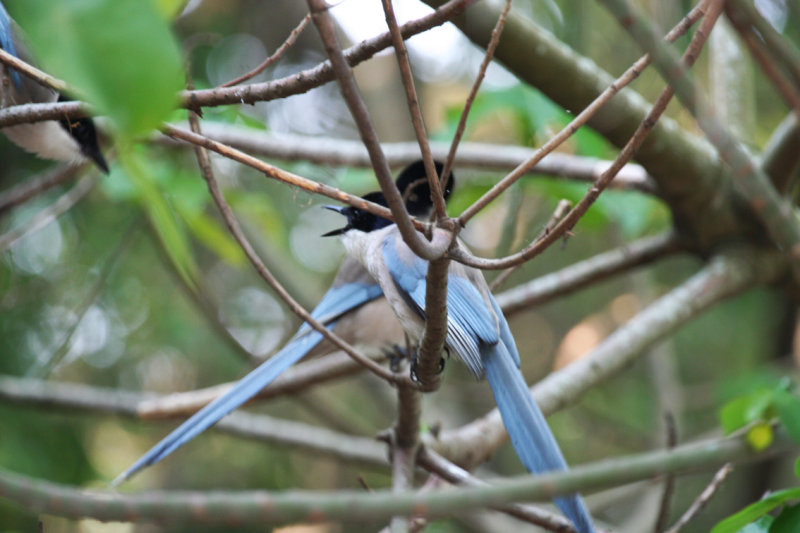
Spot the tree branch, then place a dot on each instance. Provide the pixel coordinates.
(339, 152)
(724, 276)
(261, 508)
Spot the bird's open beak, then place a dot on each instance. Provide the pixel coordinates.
(339, 231)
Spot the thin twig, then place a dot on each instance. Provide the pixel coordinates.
(625, 155)
(560, 212)
(290, 40)
(669, 481)
(44, 217)
(462, 120)
(358, 110)
(584, 273)
(298, 378)
(785, 86)
(435, 463)
(34, 186)
(52, 395)
(280, 174)
(401, 54)
(703, 498)
(780, 47)
(298, 83)
(553, 142)
(264, 272)
(32, 72)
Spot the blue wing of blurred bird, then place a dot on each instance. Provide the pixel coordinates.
(7, 40)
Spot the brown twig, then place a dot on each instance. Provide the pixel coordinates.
(775, 42)
(33, 186)
(297, 83)
(553, 142)
(703, 498)
(280, 174)
(462, 120)
(358, 110)
(584, 273)
(44, 217)
(625, 155)
(433, 462)
(495, 157)
(669, 480)
(401, 54)
(264, 272)
(290, 40)
(785, 86)
(560, 212)
(32, 72)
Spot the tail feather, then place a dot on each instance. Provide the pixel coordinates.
(245, 389)
(530, 435)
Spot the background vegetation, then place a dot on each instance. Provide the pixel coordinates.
(139, 288)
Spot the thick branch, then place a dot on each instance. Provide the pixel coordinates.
(723, 277)
(581, 274)
(776, 214)
(685, 166)
(54, 395)
(261, 507)
(328, 151)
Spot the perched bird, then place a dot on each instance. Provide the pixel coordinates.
(352, 308)
(72, 140)
(477, 333)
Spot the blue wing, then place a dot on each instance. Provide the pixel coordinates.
(7, 41)
(479, 334)
(336, 302)
(469, 321)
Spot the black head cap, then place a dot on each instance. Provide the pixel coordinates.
(413, 185)
(85, 134)
(358, 218)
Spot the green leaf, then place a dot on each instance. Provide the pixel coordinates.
(741, 411)
(754, 511)
(797, 468)
(788, 521)
(170, 9)
(119, 55)
(788, 408)
(172, 235)
(761, 525)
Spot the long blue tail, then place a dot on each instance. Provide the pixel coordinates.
(530, 435)
(245, 389)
